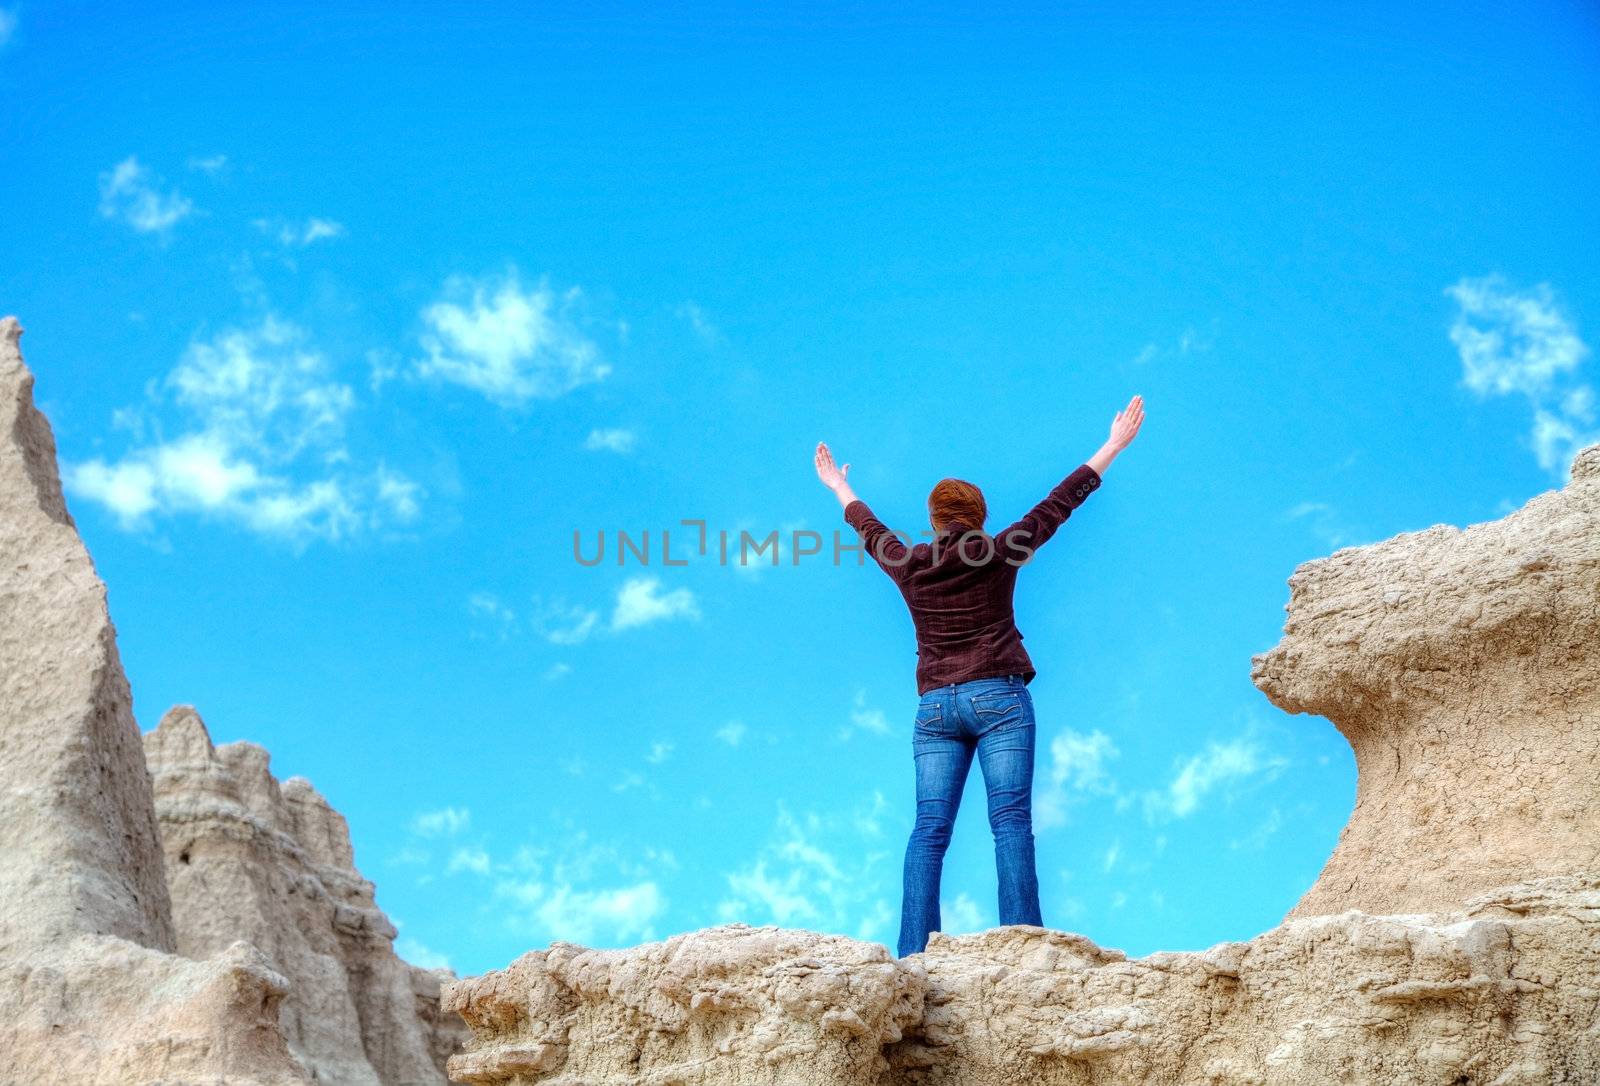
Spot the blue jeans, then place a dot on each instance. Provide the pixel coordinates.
(994, 718)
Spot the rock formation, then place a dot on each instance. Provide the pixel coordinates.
(90, 989)
(97, 982)
(1461, 666)
(248, 858)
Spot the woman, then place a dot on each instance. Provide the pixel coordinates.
(972, 671)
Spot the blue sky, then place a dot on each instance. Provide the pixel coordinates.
(348, 317)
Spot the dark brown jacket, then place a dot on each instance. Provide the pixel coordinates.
(959, 586)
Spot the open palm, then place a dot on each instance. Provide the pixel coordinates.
(1125, 427)
(832, 476)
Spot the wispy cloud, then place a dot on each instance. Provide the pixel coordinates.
(562, 623)
(1221, 765)
(708, 333)
(1515, 342)
(208, 164)
(1324, 522)
(816, 871)
(509, 343)
(614, 440)
(445, 822)
(1193, 340)
(962, 915)
(413, 951)
(732, 733)
(131, 193)
(492, 613)
(865, 718)
(1078, 768)
(259, 441)
(581, 893)
(298, 235)
(1257, 838)
(8, 26)
(641, 601)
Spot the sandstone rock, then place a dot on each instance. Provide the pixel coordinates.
(1463, 666)
(248, 858)
(734, 1004)
(90, 991)
(1502, 992)
(269, 962)
(76, 823)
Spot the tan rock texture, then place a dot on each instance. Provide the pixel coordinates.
(1453, 938)
(1503, 992)
(90, 990)
(1463, 666)
(258, 956)
(250, 858)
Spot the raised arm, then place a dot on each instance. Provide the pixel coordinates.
(886, 548)
(1020, 540)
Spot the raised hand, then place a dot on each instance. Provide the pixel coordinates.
(1125, 427)
(832, 476)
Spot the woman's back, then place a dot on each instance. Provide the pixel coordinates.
(959, 587)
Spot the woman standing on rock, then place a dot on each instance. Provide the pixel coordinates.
(972, 671)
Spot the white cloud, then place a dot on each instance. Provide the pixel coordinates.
(208, 164)
(640, 602)
(583, 916)
(627, 780)
(8, 25)
(707, 332)
(818, 872)
(865, 718)
(659, 752)
(298, 235)
(1192, 340)
(470, 858)
(445, 822)
(564, 895)
(1324, 522)
(1077, 768)
(510, 344)
(1519, 342)
(557, 671)
(1110, 860)
(732, 733)
(261, 442)
(1218, 765)
(131, 193)
(487, 608)
(617, 441)
(961, 915)
(565, 624)
(413, 951)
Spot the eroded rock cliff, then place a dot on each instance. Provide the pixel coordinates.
(250, 858)
(90, 989)
(1462, 667)
(254, 954)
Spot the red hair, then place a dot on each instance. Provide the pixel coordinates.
(956, 500)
